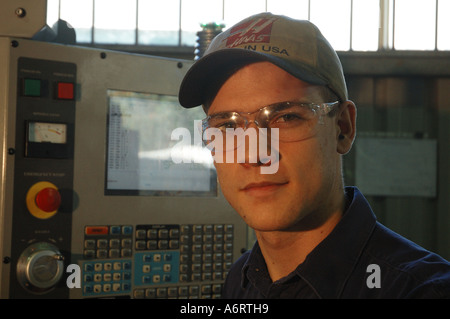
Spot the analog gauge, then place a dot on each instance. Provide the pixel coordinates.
(39, 132)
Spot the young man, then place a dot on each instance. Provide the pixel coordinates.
(315, 237)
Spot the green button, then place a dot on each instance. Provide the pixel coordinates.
(32, 87)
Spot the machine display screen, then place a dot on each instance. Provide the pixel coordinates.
(154, 148)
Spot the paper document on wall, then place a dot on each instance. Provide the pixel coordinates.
(396, 166)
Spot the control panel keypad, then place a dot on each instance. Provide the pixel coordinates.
(106, 277)
(157, 261)
(205, 291)
(108, 241)
(206, 252)
(159, 267)
(195, 257)
(157, 237)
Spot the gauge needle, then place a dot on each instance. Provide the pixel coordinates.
(54, 131)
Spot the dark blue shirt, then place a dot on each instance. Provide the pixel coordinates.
(360, 258)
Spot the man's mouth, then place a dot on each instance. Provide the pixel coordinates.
(262, 188)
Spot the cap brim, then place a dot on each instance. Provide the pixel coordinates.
(217, 66)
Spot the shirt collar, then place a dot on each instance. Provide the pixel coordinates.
(336, 256)
(255, 271)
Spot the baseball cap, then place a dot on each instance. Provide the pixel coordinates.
(296, 46)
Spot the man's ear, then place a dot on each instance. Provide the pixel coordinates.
(346, 126)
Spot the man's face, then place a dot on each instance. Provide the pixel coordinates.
(305, 188)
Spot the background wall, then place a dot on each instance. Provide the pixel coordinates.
(406, 96)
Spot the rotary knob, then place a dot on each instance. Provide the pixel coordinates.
(40, 267)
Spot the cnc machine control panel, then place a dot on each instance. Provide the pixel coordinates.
(93, 202)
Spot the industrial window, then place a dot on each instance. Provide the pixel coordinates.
(359, 25)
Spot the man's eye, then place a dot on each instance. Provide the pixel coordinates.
(224, 125)
(288, 118)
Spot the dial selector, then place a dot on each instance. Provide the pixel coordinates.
(40, 267)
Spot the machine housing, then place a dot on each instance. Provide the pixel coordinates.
(92, 201)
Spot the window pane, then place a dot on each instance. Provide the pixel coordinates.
(415, 24)
(365, 25)
(196, 12)
(443, 41)
(332, 17)
(237, 10)
(115, 21)
(52, 12)
(159, 22)
(79, 15)
(297, 9)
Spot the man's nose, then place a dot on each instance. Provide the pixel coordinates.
(254, 154)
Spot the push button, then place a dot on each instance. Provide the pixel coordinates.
(43, 200)
(65, 91)
(32, 87)
(48, 199)
(96, 230)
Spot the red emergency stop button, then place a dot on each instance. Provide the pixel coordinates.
(43, 200)
(48, 199)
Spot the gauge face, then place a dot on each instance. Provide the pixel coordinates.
(39, 132)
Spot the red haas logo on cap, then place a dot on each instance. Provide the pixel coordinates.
(253, 31)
